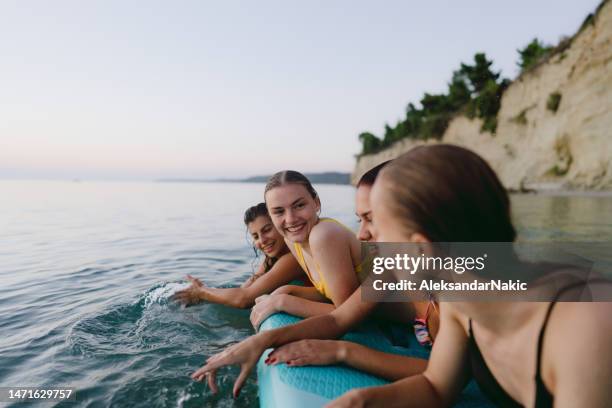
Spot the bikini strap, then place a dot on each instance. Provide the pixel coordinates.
(427, 311)
(431, 303)
(547, 317)
(541, 337)
(301, 260)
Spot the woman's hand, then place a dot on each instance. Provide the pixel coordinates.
(310, 352)
(246, 353)
(192, 295)
(265, 306)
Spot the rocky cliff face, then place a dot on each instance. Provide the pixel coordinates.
(537, 146)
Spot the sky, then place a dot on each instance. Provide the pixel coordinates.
(141, 90)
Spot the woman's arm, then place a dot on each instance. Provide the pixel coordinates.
(446, 374)
(324, 352)
(331, 250)
(284, 270)
(415, 391)
(269, 304)
(247, 352)
(579, 373)
(327, 326)
(260, 272)
(330, 245)
(305, 292)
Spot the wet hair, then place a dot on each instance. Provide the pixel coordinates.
(251, 215)
(449, 194)
(290, 177)
(369, 177)
(255, 211)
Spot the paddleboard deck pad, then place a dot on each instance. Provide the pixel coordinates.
(315, 386)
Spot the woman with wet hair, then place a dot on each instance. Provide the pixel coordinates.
(265, 239)
(278, 268)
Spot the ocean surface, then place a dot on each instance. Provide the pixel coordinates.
(87, 269)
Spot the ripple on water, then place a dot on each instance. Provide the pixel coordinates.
(143, 352)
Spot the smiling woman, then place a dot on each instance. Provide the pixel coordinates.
(265, 238)
(278, 268)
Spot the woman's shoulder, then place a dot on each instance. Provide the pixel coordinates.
(576, 338)
(327, 230)
(449, 312)
(578, 329)
(580, 320)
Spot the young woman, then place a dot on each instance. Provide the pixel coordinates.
(521, 353)
(278, 268)
(329, 326)
(327, 251)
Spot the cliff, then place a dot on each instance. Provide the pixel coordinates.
(555, 121)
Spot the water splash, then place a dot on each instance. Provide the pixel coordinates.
(161, 294)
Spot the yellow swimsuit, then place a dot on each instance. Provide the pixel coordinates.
(320, 286)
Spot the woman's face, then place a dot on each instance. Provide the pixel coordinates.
(364, 213)
(384, 225)
(293, 211)
(265, 237)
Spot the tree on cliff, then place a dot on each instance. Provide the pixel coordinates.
(478, 75)
(370, 143)
(458, 91)
(474, 88)
(532, 54)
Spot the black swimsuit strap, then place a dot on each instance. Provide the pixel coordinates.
(548, 313)
(541, 338)
(484, 378)
(543, 396)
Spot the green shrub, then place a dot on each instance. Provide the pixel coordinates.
(554, 100)
(434, 126)
(589, 20)
(474, 89)
(370, 143)
(533, 53)
(521, 118)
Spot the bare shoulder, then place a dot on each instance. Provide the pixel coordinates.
(577, 362)
(450, 313)
(325, 233)
(581, 332)
(575, 322)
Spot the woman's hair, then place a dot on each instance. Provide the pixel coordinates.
(290, 177)
(255, 211)
(448, 194)
(251, 215)
(369, 177)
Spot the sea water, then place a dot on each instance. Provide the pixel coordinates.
(87, 270)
